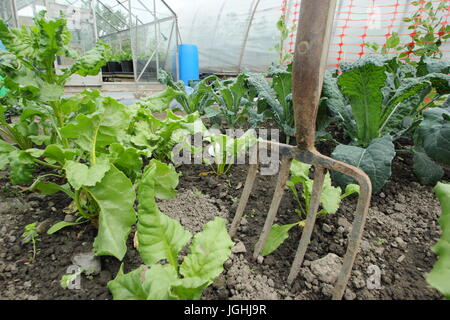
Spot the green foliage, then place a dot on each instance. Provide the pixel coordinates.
(34, 85)
(35, 49)
(201, 97)
(20, 163)
(31, 234)
(330, 200)
(432, 145)
(277, 235)
(439, 277)
(115, 197)
(362, 86)
(425, 168)
(225, 150)
(428, 32)
(284, 57)
(159, 236)
(154, 137)
(376, 97)
(94, 144)
(382, 93)
(230, 100)
(162, 238)
(375, 161)
(235, 101)
(434, 133)
(68, 278)
(161, 101)
(275, 98)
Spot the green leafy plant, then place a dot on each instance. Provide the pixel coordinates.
(34, 85)
(377, 100)
(94, 147)
(225, 150)
(432, 144)
(330, 199)
(161, 238)
(155, 137)
(31, 235)
(235, 103)
(283, 56)
(201, 97)
(126, 55)
(439, 276)
(118, 54)
(107, 142)
(275, 98)
(427, 36)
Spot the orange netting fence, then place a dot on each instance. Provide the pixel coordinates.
(358, 22)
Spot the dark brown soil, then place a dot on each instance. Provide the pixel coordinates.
(401, 228)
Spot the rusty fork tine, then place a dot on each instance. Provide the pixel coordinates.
(362, 209)
(251, 177)
(319, 175)
(283, 175)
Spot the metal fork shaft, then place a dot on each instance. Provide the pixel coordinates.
(251, 177)
(359, 222)
(283, 175)
(319, 175)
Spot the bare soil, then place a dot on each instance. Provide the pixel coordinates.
(401, 229)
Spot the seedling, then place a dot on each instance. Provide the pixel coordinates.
(197, 192)
(67, 279)
(380, 242)
(31, 235)
(329, 200)
(225, 150)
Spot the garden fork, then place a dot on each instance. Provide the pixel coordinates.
(311, 49)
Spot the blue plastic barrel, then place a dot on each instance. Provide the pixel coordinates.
(188, 62)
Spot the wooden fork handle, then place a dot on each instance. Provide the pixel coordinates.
(310, 58)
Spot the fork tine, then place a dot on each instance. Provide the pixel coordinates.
(362, 209)
(283, 175)
(251, 177)
(319, 175)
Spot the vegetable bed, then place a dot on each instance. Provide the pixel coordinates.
(400, 230)
(89, 183)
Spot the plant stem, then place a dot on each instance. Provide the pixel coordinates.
(47, 164)
(34, 247)
(78, 204)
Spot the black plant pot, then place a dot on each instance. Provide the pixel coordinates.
(105, 68)
(127, 66)
(114, 66)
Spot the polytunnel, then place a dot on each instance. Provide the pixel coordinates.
(242, 34)
(231, 35)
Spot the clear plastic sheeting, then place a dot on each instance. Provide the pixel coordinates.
(235, 35)
(7, 12)
(231, 34)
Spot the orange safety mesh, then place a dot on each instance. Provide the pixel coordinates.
(360, 21)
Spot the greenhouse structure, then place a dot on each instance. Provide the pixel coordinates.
(224, 150)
